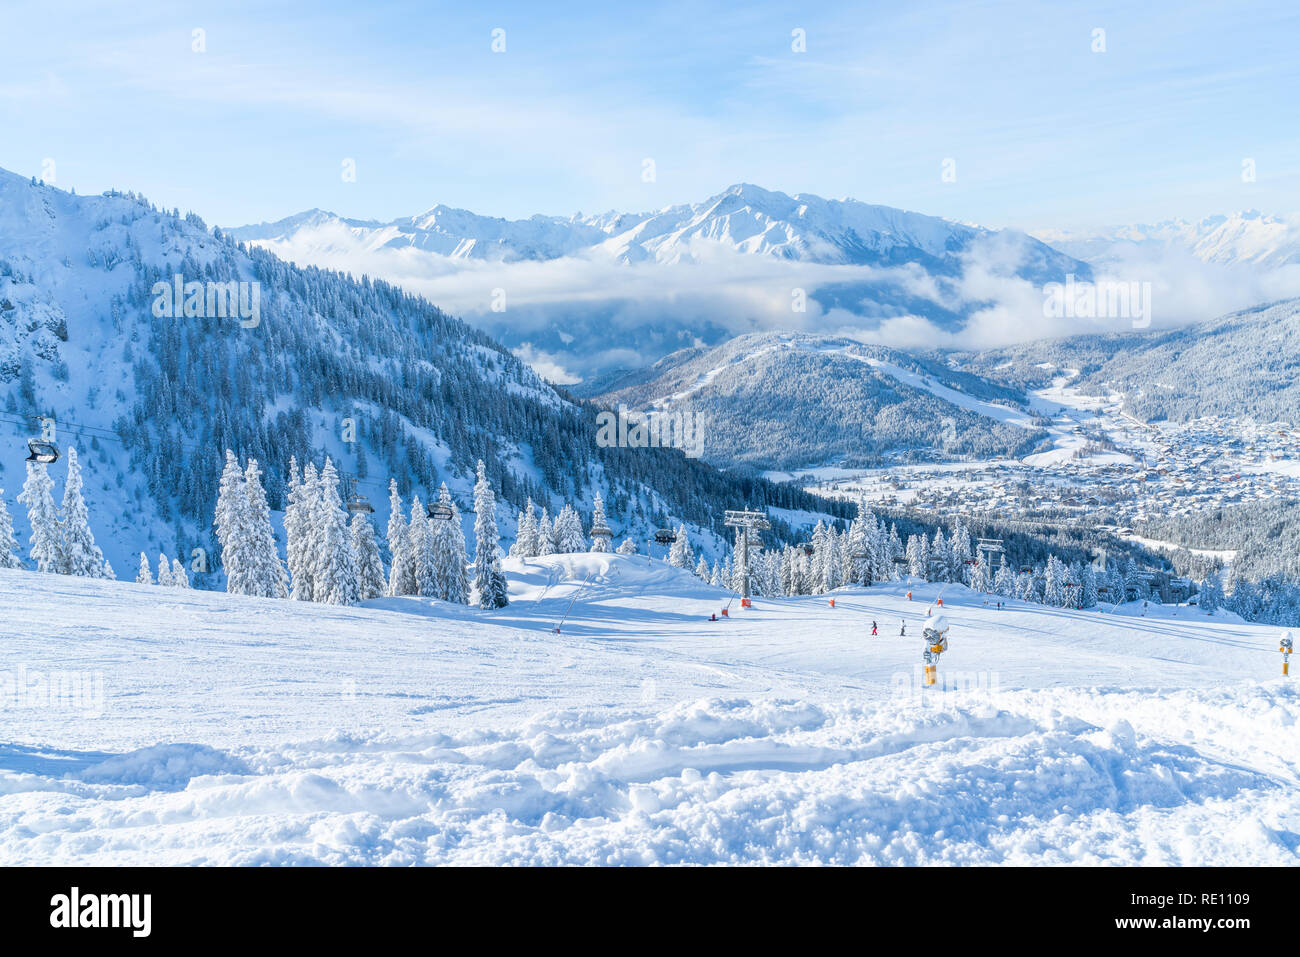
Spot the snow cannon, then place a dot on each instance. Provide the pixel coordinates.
(1287, 644)
(745, 603)
(936, 643)
(832, 602)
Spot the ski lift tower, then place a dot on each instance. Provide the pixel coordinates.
(748, 525)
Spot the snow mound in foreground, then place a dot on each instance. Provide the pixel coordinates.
(1048, 777)
(163, 766)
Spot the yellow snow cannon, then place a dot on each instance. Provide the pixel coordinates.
(1287, 645)
(936, 643)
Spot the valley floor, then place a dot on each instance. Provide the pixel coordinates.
(141, 725)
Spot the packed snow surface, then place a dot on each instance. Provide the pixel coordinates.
(144, 725)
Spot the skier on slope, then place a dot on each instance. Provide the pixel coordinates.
(873, 628)
(902, 631)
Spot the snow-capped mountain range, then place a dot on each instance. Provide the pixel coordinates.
(1247, 238)
(584, 296)
(743, 218)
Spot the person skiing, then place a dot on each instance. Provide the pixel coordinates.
(873, 628)
(902, 631)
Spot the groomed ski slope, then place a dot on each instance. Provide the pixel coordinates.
(247, 731)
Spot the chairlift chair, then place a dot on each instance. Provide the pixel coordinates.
(665, 536)
(358, 505)
(47, 453)
(440, 511)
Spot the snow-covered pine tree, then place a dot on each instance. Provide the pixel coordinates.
(545, 535)
(449, 558)
(418, 552)
(627, 547)
(233, 529)
(733, 572)
(1004, 583)
(145, 575)
(832, 563)
(940, 556)
(960, 556)
(1210, 594)
(858, 547)
(9, 557)
(489, 580)
(784, 571)
(334, 575)
(301, 544)
(46, 540)
(599, 543)
(266, 576)
(401, 568)
(702, 568)
(681, 555)
(1054, 582)
(1088, 587)
(179, 577)
(294, 516)
(567, 532)
(1116, 586)
(164, 571)
(525, 545)
(81, 556)
(500, 587)
(371, 582)
(893, 549)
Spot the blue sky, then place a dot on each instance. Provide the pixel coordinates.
(1044, 132)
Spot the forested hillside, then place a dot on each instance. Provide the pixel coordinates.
(381, 381)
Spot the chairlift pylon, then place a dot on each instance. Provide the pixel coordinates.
(47, 453)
